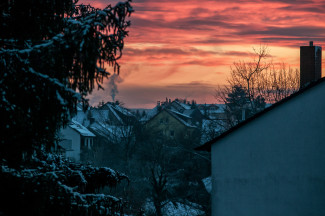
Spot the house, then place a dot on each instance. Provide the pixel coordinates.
(274, 162)
(179, 106)
(74, 139)
(213, 111)
(113, 114)
(171, 124)
(106, 133)
(184, 108)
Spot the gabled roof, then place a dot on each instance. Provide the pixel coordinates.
(109, 131)
(180, 117)
(82, 130)
(185, 106)
(207, 145)
(115, 114)
(150, 113)
(175, 115)
(180, 107)
(120, 113)
(123, 110)
(189, 112)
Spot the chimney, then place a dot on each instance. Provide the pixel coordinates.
(158, 103)
(310, 64)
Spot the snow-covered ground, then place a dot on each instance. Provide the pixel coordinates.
(176, 209)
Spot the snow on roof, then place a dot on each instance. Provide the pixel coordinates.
(177, 116)
(123, 110)
(150, 113)
(207, 184)
(80, 129)
(99, 114)
(188, 112)
(221, 108)
(185, 106)
(181, 114)
(115, 114)
(213, 108)
(80, 116)
(111, 132)
(79, 107)
(99, 129)
(217, 124)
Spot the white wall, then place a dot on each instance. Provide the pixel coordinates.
(69, 133)
(274, 165)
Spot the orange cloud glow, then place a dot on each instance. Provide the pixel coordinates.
(175, 44)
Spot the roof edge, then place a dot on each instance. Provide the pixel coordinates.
(207, 146)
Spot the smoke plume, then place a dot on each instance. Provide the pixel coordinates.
(113, 80)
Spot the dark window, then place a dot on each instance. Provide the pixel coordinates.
(172, 133)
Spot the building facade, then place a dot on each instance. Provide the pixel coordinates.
(171, 125)
(75, 138)
(273, 163)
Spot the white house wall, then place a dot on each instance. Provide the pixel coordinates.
(274, 165)
(71, 134)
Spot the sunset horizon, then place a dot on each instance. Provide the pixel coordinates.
(184, 49)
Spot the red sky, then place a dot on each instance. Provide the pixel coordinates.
(185, 48)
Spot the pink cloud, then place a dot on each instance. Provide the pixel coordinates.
(168, 37)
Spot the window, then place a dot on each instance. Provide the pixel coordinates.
(167, 120)
(89, 143)
(172, 133)
(161, 121)
(86, 142)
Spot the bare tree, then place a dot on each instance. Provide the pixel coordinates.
(248, 74)
(261, 81)
(280, 82)
(261, 77)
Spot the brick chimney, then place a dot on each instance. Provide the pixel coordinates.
(310, 64)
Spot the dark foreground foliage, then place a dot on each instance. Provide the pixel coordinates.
(52, 185)
(52, 54)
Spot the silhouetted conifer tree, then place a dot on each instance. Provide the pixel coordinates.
(52, 53)
(238, 105)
